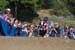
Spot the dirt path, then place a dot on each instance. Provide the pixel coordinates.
(21, 43)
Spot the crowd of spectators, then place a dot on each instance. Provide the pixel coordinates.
(42, 29)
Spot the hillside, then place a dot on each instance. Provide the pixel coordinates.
(35, 43)
(60, 19)
(60, 7)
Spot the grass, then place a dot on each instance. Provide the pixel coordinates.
(64, 21)
(70, 21)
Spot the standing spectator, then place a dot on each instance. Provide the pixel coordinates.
(43, 28)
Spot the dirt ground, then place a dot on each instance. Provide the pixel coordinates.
(35, 43)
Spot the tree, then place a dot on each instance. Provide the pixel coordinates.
(71, 6)
(24, 11)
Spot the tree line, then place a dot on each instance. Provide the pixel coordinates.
(26, 7)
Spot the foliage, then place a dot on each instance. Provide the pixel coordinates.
(28, 8)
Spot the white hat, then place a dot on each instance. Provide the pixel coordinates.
(8, 9)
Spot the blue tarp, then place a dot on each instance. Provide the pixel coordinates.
(6, 29)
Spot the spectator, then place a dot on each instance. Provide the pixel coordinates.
(62, 33)
(16, 23)
(31, 30)
(7, 14)
(70, 34)
(66, 29)
(43, 28)
(57, 27)
(35, 31)
(19, 28)
(52, 32)
(23, 32)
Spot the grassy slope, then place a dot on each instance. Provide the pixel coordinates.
(56, 19)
